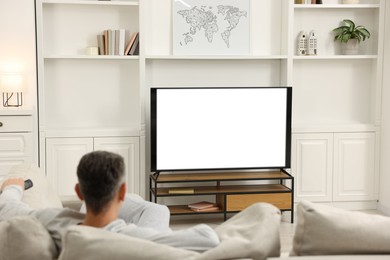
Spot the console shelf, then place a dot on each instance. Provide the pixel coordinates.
(230, 197)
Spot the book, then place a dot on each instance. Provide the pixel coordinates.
(134, 46)
(121, 42)
(181, 191)
(100, 41)
(206, 209)
(116, 35)
(130, 43)
(202, 205)
(111, 42)
(105, 42)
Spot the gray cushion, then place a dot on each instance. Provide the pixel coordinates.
(88, 243)
(25, 238)
(253, 233)
(325, 230)
(41, 195)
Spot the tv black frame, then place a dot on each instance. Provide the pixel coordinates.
(153, 128)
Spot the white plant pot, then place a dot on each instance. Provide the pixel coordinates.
(350, 1)
(350, 48)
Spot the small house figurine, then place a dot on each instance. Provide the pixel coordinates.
(312, 44)
(302, 43)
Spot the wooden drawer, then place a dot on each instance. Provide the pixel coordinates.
(16, 145)
(238, 202)
(16, 124)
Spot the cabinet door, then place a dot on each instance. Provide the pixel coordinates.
(128, 147)
(354, 167)
(62, 158)
(312, 166)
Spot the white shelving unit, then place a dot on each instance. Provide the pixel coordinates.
(337, 107)
(336, 97)
(84, 100)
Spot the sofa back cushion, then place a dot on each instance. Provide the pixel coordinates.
(325, 230)
(25, 238)
(89, 243)
(41, 195)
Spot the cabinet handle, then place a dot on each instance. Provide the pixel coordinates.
(1, 124)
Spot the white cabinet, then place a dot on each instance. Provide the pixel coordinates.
(16, 139)
(334, 96)
(129, 148)
(355, 171)
(64, 154)
(335, 167)
(62, 158)
(312, 166)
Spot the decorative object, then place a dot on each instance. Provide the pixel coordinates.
(348, 32)
(219, 27)
(92, 51)
(312, 44)
(302, 44)
(11, 84)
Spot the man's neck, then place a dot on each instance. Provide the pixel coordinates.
(99, 220)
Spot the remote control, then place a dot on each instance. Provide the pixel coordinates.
(28, 184)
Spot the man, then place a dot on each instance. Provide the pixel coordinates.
(101, 185)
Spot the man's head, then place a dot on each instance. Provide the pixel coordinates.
(100, 175)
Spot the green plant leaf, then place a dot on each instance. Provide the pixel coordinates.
(348, 30)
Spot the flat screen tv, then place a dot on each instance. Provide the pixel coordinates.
(220, 128)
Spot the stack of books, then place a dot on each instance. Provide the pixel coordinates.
(203, 206)
(113, 42)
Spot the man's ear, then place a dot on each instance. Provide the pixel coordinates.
(78, 192)
(122, 192)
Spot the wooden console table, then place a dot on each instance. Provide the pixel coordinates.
(230, 197)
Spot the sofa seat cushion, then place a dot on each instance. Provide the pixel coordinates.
(325, 230)
(25, 238)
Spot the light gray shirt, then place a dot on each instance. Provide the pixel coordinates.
(56, 220)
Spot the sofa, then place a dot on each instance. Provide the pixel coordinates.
(321, 232)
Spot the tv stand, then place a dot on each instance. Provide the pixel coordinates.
(229, 196)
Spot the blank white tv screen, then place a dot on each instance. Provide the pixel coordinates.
(220, 128)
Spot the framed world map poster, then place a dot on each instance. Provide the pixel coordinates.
(211, 27)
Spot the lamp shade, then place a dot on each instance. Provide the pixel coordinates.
(11, 82)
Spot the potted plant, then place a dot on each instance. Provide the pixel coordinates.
(350, 36)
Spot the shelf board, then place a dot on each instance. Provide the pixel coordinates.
(88, 132)
(231, 189)
(93, 57)
(330, 128)
(335, 57)
(221, 176)
(86, 2)
(216, 57)
(335, 6)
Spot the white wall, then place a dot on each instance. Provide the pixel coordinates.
(17, 43)
(384, 196)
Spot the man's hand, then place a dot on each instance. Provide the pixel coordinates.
(13, 181)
